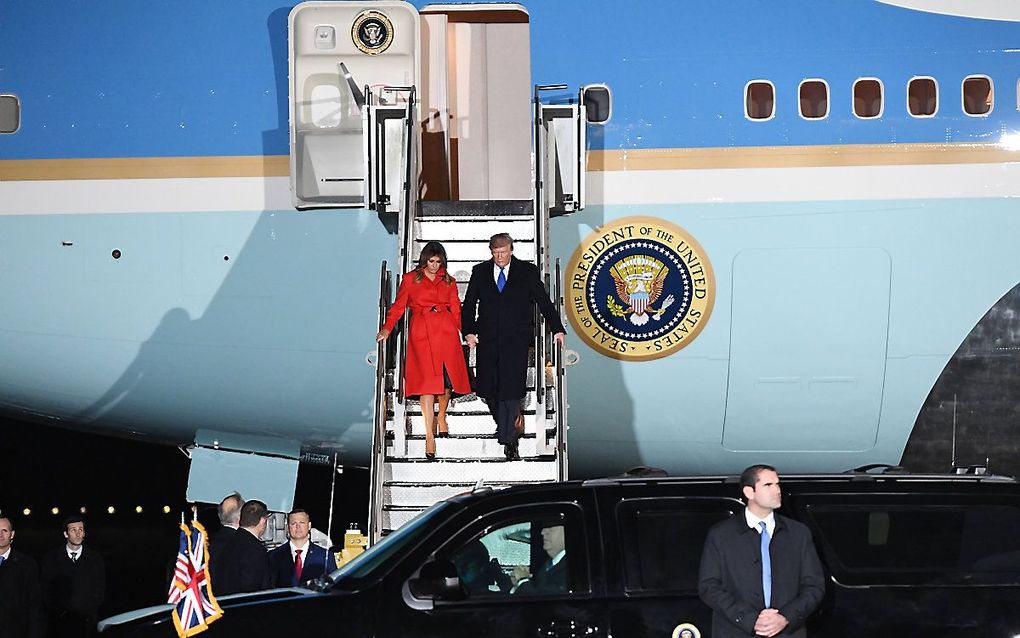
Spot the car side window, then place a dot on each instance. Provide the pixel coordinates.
(528, 552)
(902, 544)
(661, 540)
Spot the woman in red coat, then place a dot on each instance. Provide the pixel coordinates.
(435, 361)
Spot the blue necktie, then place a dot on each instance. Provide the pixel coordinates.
(501, 280)
(766, 565)
(2, 560)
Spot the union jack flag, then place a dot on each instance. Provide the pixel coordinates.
(191, 589)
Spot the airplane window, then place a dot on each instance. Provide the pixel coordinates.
(814, 99)
(922, 97)
(978, 95)
(10, 114)
(868, 98)
(759, 100)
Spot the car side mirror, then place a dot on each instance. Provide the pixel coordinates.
(437, 580)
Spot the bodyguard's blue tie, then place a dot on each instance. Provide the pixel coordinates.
(501, 280)
(766, 565)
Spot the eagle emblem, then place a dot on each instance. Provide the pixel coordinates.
(639, 281)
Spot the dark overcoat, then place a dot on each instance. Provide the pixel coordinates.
(242, 566)
(503, 323)
(21, 604)
(730, 577)
(73, 590)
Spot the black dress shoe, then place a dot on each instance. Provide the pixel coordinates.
(511, 452)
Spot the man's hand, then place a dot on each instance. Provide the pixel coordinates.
(560, 338)
(519, 573)
(770, 622)
(472, 340)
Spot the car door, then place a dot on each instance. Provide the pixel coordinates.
(653, 553)
(521, 570)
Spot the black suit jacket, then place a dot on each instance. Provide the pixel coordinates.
(21, 605)
(73, 590)
(217, 541)
(503, 323)
(242, 566)
(730, 576)
(315, 564)
(549, 579)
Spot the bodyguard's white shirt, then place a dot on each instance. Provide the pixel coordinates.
(752, 522)
(6, 554)
(76, 552)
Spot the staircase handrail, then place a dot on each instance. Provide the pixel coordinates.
(559, 382)
(379, 402)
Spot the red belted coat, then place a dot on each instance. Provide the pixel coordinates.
(433, 340)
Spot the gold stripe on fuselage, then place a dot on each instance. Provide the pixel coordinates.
(662, 159)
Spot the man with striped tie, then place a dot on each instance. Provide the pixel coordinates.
(760, 573)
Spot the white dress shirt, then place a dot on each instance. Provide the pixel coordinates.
(495, 272)
(752, 522)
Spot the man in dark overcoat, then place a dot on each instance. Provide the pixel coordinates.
(243, 565)
(21, 604)
(497, 320)
(759, 571)
(74, 583)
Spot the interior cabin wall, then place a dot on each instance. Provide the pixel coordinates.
(476, 109)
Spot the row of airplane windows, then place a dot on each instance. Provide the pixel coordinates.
(977, 99)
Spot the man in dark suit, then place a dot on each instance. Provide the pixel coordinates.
(299, 560)
(496, 318)
(21, 606)
(229, 513)
(759, 571)
(243, 564)
(73, 583)
(551, 577)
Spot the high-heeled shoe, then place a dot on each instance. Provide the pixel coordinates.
(430, 456)
(443, 435)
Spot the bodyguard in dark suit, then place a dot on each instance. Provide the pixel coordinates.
(21, 606)
(299, 560)
(243, 565)
(497, 319)
(759, 571)
(73, 583)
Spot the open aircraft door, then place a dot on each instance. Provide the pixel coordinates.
(353, 72)
(561, 145)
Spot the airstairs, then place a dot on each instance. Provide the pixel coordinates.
(424, 118)
(407, 483)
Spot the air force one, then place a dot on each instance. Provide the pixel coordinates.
(780, 231)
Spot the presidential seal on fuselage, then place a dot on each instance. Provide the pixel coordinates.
(639, 288)
(372, 32)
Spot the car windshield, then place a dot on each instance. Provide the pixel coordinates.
(404, 538)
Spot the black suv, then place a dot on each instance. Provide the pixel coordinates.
(904, 555)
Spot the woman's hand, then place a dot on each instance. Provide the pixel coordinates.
(381, 335)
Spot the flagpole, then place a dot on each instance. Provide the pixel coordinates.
(332, 497)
